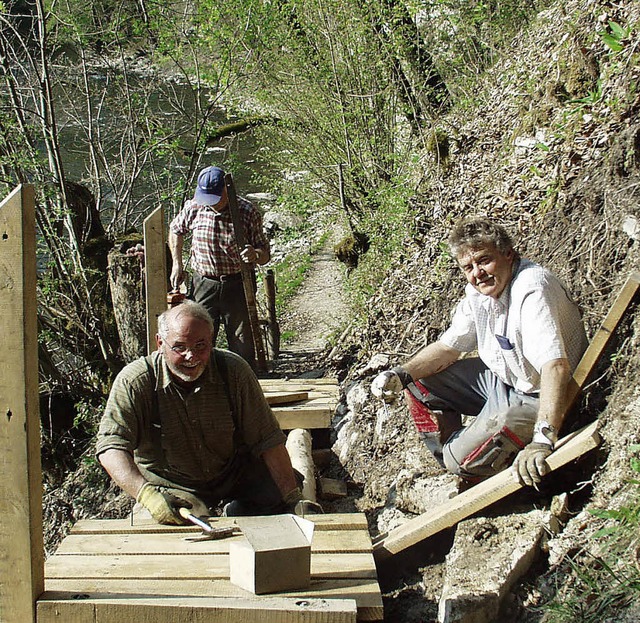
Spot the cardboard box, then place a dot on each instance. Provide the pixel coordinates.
(274, 556)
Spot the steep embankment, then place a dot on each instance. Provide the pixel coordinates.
(550, 145)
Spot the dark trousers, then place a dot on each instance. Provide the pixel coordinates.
(226, 303)
(247, 481)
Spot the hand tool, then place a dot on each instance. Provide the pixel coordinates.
(209, 533)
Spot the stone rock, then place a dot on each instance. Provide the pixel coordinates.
(274, 221)
(390, 518)
(488, 556)
(418, 493)
(377, 363)
(261, 197)
(631, 227)
(358, 396)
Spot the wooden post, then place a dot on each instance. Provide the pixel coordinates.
(273, 328)
(247, 278)
(21, 542)
(155, 265)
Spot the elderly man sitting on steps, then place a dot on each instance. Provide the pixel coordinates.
(529, 337)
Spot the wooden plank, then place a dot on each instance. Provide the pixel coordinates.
(112, 559)
(366, 593)
(54, 607)
(603, 336)
(327, 521)
(482, 495)
(313, 393)
(156, 566)
(331, 381)
(332, 489)
(324, 542)
(21, 542)
(283, 398)
(290, 418)
(155, 270)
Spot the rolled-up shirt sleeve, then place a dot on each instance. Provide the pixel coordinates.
(255, 231)
(181, 224)
(119, 426)
(542, 341)
(462, 334)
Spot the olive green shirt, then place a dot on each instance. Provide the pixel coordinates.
(197, 425)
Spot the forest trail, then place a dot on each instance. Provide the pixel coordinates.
(318, 310)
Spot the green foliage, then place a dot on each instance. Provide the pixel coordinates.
(387, 228)
(602, 586)
(290, 275)
(615, 37)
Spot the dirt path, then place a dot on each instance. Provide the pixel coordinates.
(319, 309)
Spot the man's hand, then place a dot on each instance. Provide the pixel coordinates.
(249, 255)
(297, 505)
(531, 463)
(177, 275)
(164, 508)
(388, 384)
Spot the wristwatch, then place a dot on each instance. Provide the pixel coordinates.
(543, 432)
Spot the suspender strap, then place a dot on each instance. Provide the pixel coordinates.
(221, 365)
(156, 421)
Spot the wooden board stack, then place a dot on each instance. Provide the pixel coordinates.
(302, 403)
(103, 568)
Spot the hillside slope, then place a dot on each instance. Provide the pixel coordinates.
(550, 145)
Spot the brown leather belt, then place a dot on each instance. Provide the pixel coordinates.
(223, 278)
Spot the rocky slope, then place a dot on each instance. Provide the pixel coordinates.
(551, 147)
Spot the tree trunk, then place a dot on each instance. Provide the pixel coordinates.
(126, 281)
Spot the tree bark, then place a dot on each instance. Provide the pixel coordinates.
(126, 281)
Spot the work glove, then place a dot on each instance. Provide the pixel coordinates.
(388, 384)
(164, 507)
(531, 463)
(297, 505)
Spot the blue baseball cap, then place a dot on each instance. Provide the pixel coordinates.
(210, 186)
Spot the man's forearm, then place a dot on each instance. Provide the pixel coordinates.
(279, 465)
(123, 470)
(430, 360)
(554, 379)
(176, 242)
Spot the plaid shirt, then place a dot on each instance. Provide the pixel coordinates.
(198, 428)
(532, 322)
(213, 247)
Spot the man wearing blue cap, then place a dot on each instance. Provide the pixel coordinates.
(216, 260)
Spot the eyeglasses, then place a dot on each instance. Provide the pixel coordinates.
(198, 349)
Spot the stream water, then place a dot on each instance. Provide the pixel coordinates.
(145, 179)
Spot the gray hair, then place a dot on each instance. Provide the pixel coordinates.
(474, 233)
(189, 308)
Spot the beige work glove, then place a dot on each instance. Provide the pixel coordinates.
(297, 505)
(531, 463)
(164, 507)
(388, 384)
